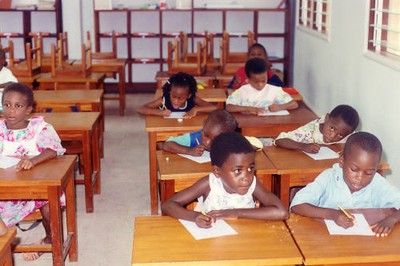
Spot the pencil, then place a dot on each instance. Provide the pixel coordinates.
(197, 141)
(345, 213)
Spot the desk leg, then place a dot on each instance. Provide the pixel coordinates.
(153, 173)
(167, 190)
(284, 188)
(96, 158)
(122, 89)
(266, 179)
(88, 170)
(71, 217)
(57, 238)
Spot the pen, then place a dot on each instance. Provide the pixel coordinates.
(197, 141)
(345, 213)
(205, 214)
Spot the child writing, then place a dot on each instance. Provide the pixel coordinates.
(34, 141)
(331, 129)
(352, 183)
(230, 191)
(257, 97)
(240, 79)
(179, 95)
(195, 143)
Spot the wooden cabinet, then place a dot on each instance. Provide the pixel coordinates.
(18, 25)
(144, 34)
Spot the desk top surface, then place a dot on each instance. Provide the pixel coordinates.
(5, 240)
(66, 96)
(70, 121)
(209, 95)
(51, 172)
(176, 166)
(92, 78)
(159, 123)
(319, 247)
(257, 243)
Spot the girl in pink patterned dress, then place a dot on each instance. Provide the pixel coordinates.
(34, 141)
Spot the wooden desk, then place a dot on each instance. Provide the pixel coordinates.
(295, 168)
(207, 79)
(45, 182)
(5, 247)
(83, 127)
(319, 247)
(159, 129)
(271, 126)
(113, 66)
(297, 97)
(217, 96)
(86, 100)
(93, 81)
(169, 243)
(177, 173)
(29, 81)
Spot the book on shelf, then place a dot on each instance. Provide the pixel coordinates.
(25, 7)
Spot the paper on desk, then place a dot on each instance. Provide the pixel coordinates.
(176, 115)
(6, 162)
(360, 228)
(204, 158)
(323, 154)
(220, 228)
(269, 113)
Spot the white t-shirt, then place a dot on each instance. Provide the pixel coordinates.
(5, 76)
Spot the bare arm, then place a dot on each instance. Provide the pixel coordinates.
(294, 145)
(249, 109)
(287, 106)
(3, 228)
(151, 108)
(28, 163)
(172, 146)
(385, 226)
(201, 107)
(3, 85)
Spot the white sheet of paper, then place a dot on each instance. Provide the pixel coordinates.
(6, 162)
(323, 154)
(198, 159)
(360, 228)
(220, 228)
(269, 113)
(176, 115)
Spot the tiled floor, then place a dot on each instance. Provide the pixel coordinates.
(105, 237)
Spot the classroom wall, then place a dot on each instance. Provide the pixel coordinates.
(329, 73)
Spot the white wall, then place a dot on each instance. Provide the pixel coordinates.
(72, 23)
(336, 72)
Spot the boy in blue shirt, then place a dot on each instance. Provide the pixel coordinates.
(352, 184)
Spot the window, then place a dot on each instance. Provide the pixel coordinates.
(384, 28)
(314, 16)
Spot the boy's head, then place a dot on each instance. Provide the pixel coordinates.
(218, 121)
(256, 72)
(360, 159)
(233, 161)
(258, 50)
(179, 88)
(339, 123)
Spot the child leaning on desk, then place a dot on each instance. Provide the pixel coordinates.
(257, 97)
(6, 76)
(195, 143)
(34, 141)
(240, 78)
(353, 183)
(331, 129)
(230, 191)
(179, 95)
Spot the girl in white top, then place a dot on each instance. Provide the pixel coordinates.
(230, 191)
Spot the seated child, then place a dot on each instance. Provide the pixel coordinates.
(195, 143)
(257, 97)
(179, 95)
(240, 79)
(34, 141)
(351, 184)
(331, 129)
(230, 191)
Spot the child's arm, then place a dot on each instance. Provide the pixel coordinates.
(28, 163)
(271, 208)
(172, 146)
(3, 228)
(151, 108)
(294, 145)
(201, 107)
(286, 106)
(175, 206)
(3, 85)
(249, 109)
(385, 226)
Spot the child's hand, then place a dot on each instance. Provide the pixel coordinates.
(166, 112)
(274, 107)
(224, 214)
(204, 220)
(191, 113)
(342, 220)
(311, 147)
(24, 164)
(197, 151)
(256, 110)
(383, 227)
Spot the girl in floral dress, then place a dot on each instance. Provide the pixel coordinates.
(34, 141)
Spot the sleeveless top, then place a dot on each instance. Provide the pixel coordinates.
(220, 199)
(190, 103)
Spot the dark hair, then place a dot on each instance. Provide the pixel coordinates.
(364, 140)
(20, 88)
(255, 66)
(228, 143)
(222, 119)
(347, 113)
(181, 79)
(3, 56)
(258, 45)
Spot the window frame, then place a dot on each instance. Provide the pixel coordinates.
(314, 17)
